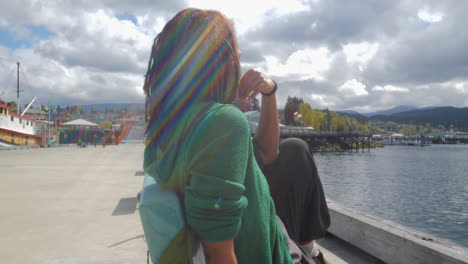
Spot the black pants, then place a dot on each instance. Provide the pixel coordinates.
(297, 191)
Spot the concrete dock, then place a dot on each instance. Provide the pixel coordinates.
(78, 205)
(71, 205)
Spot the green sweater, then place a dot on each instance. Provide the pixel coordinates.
(225, 193)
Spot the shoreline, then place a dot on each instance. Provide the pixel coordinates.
(333, 147)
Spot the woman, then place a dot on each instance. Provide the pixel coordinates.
(199, 145)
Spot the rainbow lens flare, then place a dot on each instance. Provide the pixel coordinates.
(185, 67)
(217, 204)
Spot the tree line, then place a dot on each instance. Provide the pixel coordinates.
(299, 113)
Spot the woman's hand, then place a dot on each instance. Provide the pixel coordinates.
(252, 83)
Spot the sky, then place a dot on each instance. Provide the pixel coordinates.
(363, 55)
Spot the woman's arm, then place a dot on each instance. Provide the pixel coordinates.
(218, 154)
(267, 135)
(220, 252)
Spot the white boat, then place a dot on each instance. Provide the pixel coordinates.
(17, 130)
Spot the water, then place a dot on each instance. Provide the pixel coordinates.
(425, 188)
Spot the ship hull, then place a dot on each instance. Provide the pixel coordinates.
(11, 138)
(6, 144)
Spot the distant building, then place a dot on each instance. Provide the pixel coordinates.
(36, 114)
(79, 124)
(397, 135)
(451, 137)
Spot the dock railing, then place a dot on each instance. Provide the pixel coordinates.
(309, 132)
(391, 242)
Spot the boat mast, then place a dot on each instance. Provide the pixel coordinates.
(17, 89)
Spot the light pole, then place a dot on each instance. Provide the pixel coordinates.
(48, 126)
(51, 109)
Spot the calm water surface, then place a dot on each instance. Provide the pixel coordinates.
(425, 188)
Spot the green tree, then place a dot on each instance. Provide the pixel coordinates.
(420, 130)
(310, 117)
(78, 110)
(305, 113)
(106, 124)
(348, 123)
(292, 104)
(358, 126)
(340, 123)
(319, 120)
(428, 129)
(304, 110)
(12, 104)
(328, 118)
(409, 130)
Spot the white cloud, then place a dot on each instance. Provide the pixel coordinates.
(425, 16)
(101, 41)
(322, 101)
(354, 88)
(106, 24)
(389, 88)
(461, 87)
(150, 25)
(92, 55)
(247, 13)
(302, 64)
(360, 53)
(72, 85)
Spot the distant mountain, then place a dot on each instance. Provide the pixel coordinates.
(394, 110)
(435, 116)
(430, 107)
(354, 114)
(351, 112)
(101, 107)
